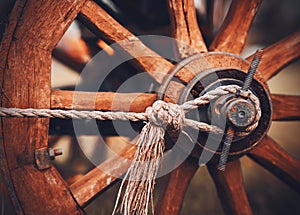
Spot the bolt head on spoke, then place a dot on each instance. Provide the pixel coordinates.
(240, 113)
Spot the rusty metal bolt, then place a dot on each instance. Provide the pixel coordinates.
(55, 152)
(240, 113)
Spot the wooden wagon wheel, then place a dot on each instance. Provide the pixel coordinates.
(34, 29)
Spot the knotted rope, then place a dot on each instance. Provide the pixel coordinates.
(143, 170)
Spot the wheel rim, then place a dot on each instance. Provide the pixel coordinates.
(231, 201)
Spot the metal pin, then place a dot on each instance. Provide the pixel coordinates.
(253, 68)
(226, 148)
(230, 131)
(55, 152)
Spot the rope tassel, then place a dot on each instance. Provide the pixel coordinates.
(143, 170)
(142, 173)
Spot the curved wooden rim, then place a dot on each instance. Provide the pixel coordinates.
(27, 84)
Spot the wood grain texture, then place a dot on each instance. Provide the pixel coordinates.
(95, 181)
(234, 30)
(26, 83)
(172, 196)
(64, 12)
(285, 107)
(103, 25)
(185, 27)
(230, 188)
(279, 55)
(4, 48)
(275, 159)
(31, 88)
(104, 101)
(210, 60)
(8, 33)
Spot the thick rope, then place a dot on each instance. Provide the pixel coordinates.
(143, 170)
(100, 115)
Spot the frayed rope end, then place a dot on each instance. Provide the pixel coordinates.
(144, 167)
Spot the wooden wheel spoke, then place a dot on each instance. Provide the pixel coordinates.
(230, 188)
(74, 53)
(272, 157)
(101, 177)
(285, 107)
(103, 25)
(234, 30)
(279, 55)
(171, 198)
(185, 27)
(104, 101)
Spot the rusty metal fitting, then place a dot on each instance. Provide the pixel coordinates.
(44, 155)
(55, 152)
(240, 113)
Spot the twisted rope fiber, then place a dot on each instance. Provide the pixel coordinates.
(100, 115)
(143, 170)
(144, 167)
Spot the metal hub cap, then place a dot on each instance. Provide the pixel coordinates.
(240, 113)
(236, 111)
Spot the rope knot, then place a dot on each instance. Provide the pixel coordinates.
(166, 114)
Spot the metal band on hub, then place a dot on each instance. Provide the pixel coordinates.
(239, 113)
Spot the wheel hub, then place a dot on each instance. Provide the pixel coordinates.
(235, 111)
(211, 71)
(240, 113)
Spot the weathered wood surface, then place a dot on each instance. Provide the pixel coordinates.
(104, 26)
(171, 198)
(104, 101)
(38, 13)
(185, 27)
(230, 188)
(34, 30)
(25, 75)
(279, 55)
(95, 181)
(8, 36)
(285, 107)
(211, 60)
(275, 159)
(234, 30)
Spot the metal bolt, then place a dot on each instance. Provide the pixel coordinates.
(55, 152)
(240, 113)
(253, 67)
(226, 148)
